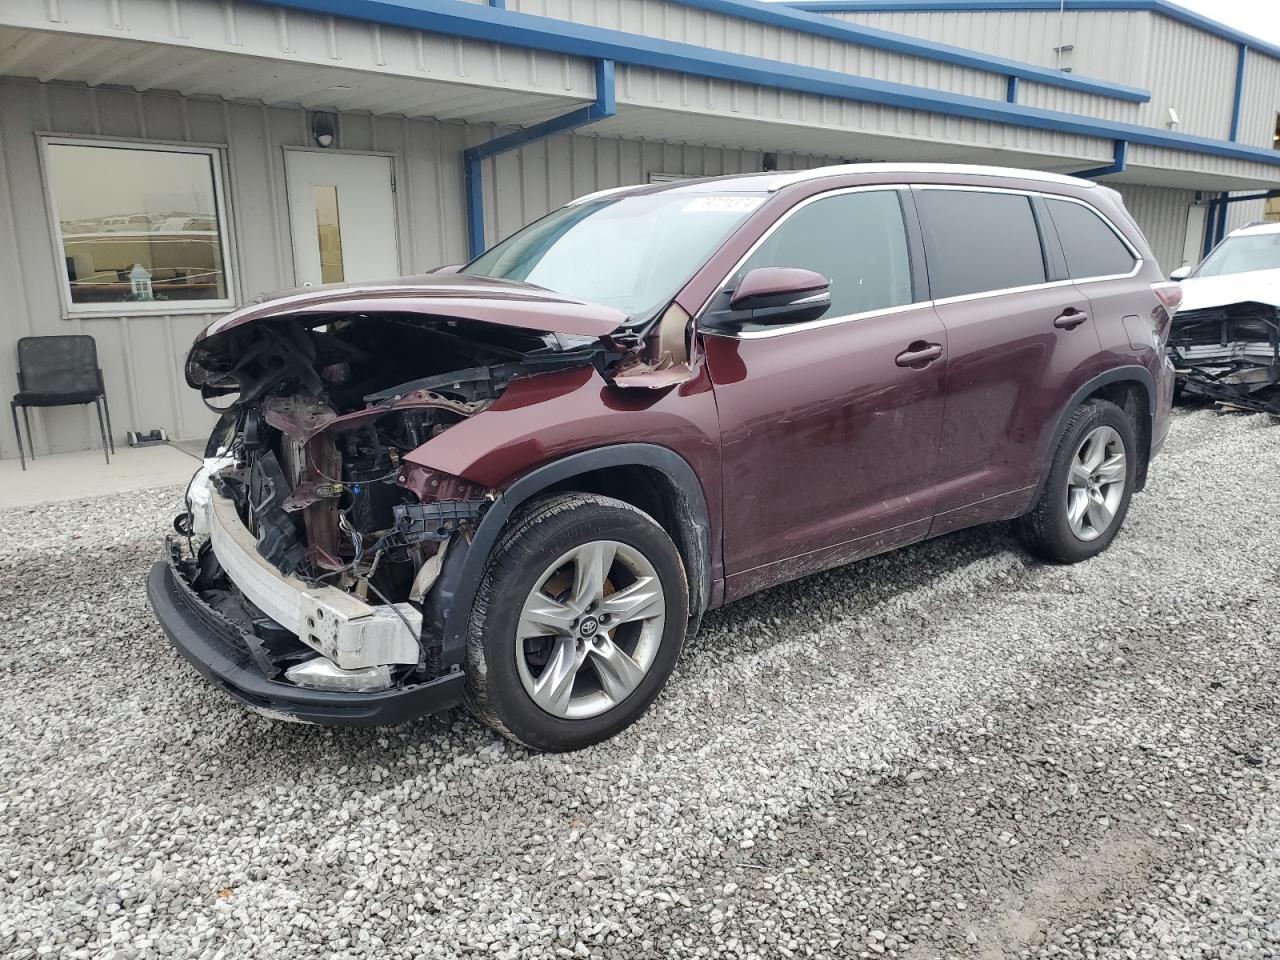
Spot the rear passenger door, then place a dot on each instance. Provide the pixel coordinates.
(1020, 339)
(1104, 267)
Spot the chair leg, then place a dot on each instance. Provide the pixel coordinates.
(31, 446)
(111, 439)
(13, 409)
(102, 428)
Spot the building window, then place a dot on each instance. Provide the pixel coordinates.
(140, 227)
(1275, 137)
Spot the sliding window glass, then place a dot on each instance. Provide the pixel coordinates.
(140, 228)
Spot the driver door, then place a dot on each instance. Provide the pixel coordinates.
(830, 427)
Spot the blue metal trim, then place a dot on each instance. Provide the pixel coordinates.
(789, 17)
(454, 18)
(1210, 227)
(1011, 90)
(1238, 98)
(1121, 155)
(606, 105)
(1163, 7)
(1223, 213)
(498, 4)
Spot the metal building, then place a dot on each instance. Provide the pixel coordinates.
(162, 160)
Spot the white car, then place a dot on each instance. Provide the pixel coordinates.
(1225, 337)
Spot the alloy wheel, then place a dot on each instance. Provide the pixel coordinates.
(590, 629)
(1095, 484)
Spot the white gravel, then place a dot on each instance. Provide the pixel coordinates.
(951, 751)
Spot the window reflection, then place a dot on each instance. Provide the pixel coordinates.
(137, 225)
(329, 233)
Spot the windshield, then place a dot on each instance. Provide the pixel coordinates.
(1259, 251)
(632, 253)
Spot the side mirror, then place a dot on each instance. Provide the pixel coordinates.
(1181, 273)
(781, 295)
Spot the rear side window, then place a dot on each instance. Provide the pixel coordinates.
(976, 242)
(1091, 247)
(855, 240)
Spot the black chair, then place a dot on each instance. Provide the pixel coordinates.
(59, 372)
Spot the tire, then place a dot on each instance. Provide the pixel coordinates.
(506, 666)
(1061, 533)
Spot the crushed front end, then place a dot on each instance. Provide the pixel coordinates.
(299, 578)
(1229, 354)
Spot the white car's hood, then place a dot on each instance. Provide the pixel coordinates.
(1259, 286)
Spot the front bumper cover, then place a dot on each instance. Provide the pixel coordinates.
(216, 648)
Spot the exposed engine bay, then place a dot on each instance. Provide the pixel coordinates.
(1229, 354)
(317, 412)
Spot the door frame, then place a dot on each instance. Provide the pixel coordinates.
(396, 179)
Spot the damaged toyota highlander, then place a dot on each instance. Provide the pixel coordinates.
(520, 484)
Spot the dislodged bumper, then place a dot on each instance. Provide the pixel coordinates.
(219, 650)
(1230, 354)
(350, 632)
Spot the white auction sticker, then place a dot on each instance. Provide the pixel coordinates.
(722, 204)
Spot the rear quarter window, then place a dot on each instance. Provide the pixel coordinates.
(977, 242)
(1091, 247)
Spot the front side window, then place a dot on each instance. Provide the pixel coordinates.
(977, 242)
(1242, 254)
(138, 225)
(856, 240)
(1091, 247)
(633, 253)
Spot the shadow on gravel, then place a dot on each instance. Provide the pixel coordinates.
(271, 750)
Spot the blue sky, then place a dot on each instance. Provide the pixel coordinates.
(1258, 17)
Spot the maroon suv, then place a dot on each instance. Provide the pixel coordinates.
(521, 483)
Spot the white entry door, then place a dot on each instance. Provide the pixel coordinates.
(342, 216)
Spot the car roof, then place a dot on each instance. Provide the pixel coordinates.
(1256, 228)
(772, 181)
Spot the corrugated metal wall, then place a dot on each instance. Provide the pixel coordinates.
(142, 355)
(674, 21)
(1107, 46)
(1184, 68)
(1261, 101)
(1161, 212)
(1239, 214)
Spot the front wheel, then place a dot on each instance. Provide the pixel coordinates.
(1086, 496)
(577, 623)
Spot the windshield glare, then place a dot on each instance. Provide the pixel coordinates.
(1260, 251)
(631, 253)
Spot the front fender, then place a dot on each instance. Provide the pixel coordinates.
(549, 428)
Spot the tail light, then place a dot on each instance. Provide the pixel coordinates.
(1169, 294)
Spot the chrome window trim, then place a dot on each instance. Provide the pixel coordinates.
(783, 329)
(1137, 257)
(815, 324)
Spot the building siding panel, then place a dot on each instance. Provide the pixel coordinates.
(142, 355)
(1161, 212)
(1184, 68)
(1261, 101)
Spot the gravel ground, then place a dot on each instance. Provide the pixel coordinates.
(951, 751)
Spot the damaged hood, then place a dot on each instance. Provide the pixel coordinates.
(480, 299)
(1205, 293)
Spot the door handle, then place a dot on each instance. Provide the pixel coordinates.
(1070, 319)
(918, 354)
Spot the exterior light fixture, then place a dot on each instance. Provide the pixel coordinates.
(324, 128)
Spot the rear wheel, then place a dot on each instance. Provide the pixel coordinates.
(1086, 496)
(577, 624)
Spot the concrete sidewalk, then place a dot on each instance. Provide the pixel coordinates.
(72, 476)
